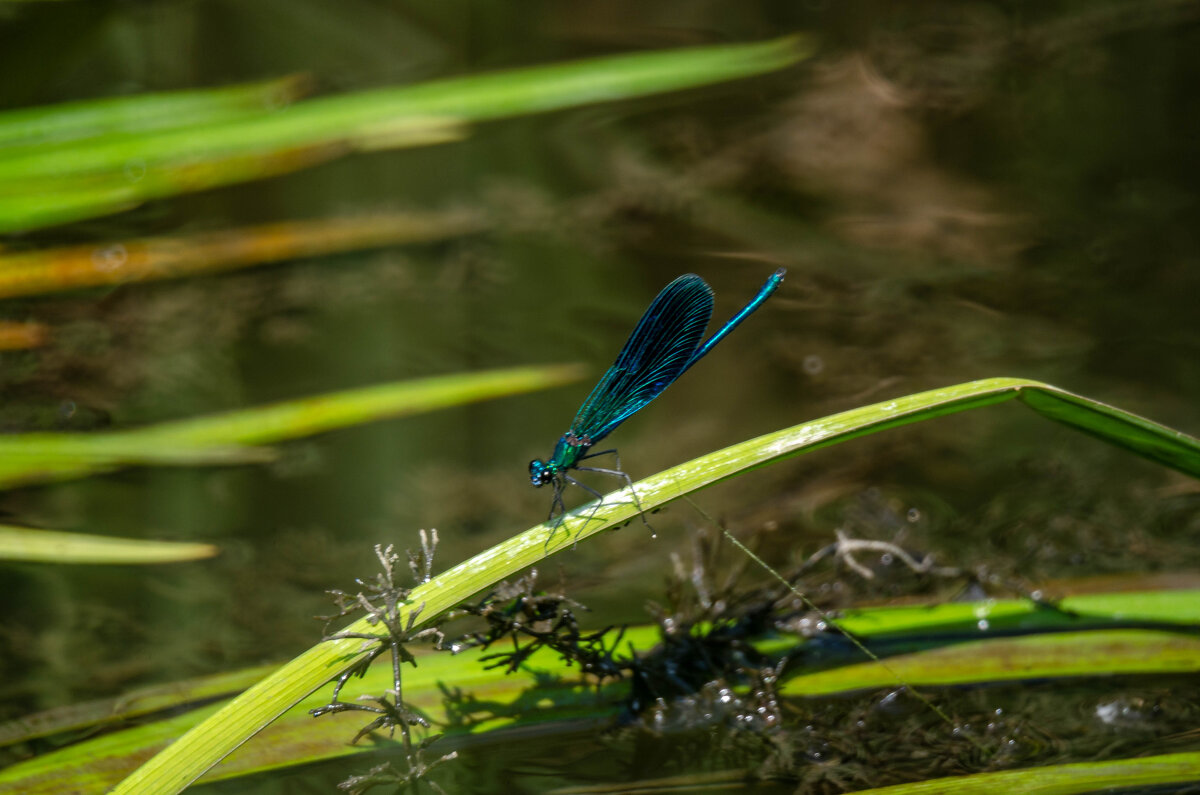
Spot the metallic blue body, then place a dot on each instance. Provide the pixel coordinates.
(665, 343)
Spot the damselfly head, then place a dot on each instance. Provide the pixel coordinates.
(539, 473)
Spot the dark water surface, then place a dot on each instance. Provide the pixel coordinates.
(958, 191)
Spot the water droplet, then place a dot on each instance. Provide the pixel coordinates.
(813, 364)
(110, 258)
(135, 169)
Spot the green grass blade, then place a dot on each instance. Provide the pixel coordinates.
(1145, 437)
(51, 546)
(29, 458)
(229, 437)
(34, 209)
(1041, 656)
(89, 118)
(210, 741)
(1125, 775)
(1113, 425)
(1023, 615)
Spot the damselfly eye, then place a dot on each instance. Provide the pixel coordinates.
(539, 473)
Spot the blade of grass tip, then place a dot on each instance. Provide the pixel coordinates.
(33, 210)
(1144, 437)
(52, 546)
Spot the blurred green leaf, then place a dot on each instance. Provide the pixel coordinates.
(138, 113)
(71, 185)
(41, 271)
(59, 182)
(229, 438)
(52, 546)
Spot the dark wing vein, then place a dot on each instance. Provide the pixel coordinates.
(655, 354)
